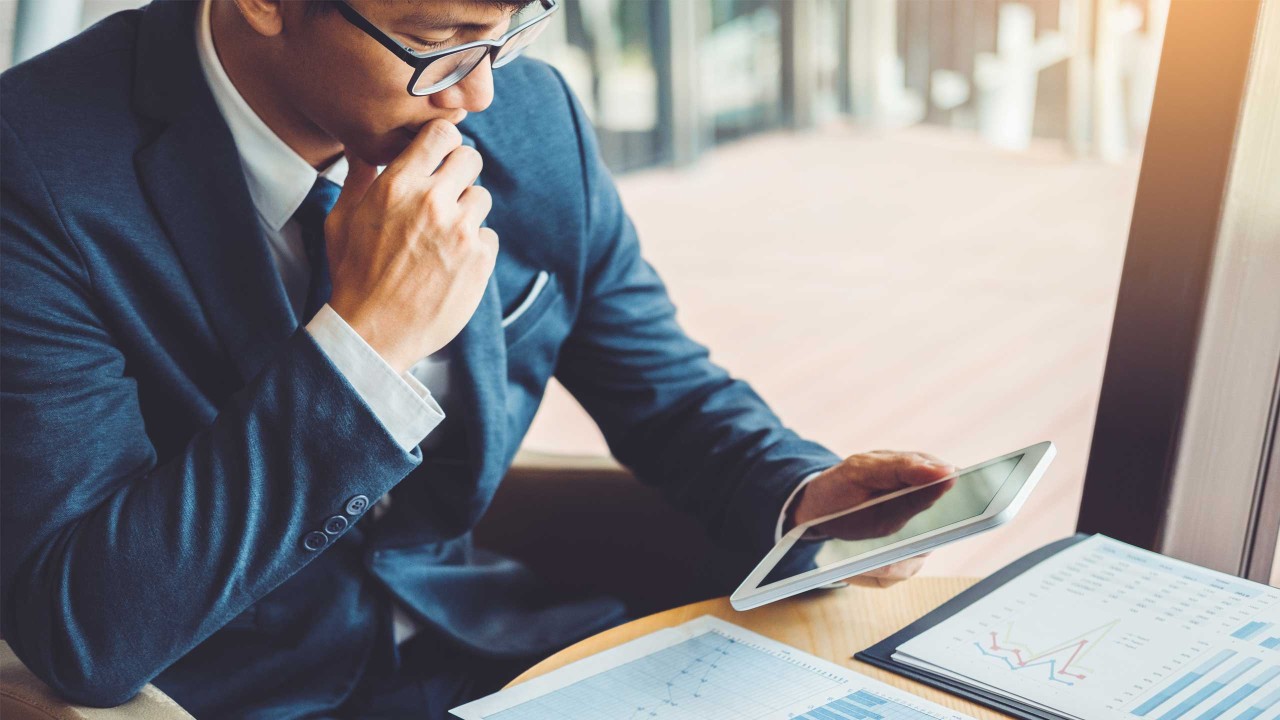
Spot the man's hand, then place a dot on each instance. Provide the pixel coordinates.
(864, 477)
(408, 259)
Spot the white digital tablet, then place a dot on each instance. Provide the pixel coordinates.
(896, 526)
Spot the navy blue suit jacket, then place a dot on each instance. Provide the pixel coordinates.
(171, 435)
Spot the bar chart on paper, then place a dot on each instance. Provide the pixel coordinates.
(1260, 631)
(1204, 689)
(1104, 630)
(704, 670)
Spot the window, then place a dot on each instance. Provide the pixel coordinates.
(911, 235)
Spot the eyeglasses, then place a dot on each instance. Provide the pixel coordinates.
(435, 71)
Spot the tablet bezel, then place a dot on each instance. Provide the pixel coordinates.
(1006, 503)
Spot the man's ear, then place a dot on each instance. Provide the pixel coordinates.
(266, 17)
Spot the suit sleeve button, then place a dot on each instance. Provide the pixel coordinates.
(357, 504)
(315, 540)
(335, 524)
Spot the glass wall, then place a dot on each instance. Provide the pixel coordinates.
(740, 68)
(611, 53)
(903, 222)
(1077, 71)
(1080, 71)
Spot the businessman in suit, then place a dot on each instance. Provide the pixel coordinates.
(270, 267)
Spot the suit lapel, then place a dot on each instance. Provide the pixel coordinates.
(191, 172)
(193, 177)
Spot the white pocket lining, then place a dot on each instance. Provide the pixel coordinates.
(538, 284)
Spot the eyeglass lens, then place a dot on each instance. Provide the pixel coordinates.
(451, 68)
(447, 70)
(518, 43)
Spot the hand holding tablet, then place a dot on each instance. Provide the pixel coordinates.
(895, 525)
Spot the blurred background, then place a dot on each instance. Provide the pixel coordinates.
(902, 221)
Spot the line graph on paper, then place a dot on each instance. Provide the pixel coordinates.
(1058, 661)
(709, 677)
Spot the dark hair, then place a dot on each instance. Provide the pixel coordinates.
(317, 7)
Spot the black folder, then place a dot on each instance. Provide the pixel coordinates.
(881, 654)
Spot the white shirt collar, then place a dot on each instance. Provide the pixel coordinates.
(278, 178)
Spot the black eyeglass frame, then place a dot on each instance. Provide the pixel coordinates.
(419, 61)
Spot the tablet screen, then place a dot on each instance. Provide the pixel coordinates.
(915, 513)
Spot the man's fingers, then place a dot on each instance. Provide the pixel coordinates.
(909, 469)
(899, 511)
(864, 477)
(458, 171)
(935, 460)
(908, 506)
(886, 517)
(926, 458)
(426, 151)
(885, 471)
(489, 239)
(476, 202)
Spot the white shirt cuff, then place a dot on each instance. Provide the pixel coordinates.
(400, 401)
(786, 506)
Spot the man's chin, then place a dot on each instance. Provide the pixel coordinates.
(389, 146)
(383, 150)
(395, 144)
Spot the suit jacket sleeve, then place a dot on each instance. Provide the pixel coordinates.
(113, 564)
(670, 414)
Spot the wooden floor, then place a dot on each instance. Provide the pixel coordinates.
(906, 290)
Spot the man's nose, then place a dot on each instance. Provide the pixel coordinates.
(472, 93)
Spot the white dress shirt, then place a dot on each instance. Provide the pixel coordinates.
(279, 180)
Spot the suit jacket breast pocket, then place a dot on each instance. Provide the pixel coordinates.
(533, 306)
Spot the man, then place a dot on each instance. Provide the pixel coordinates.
(227, 335)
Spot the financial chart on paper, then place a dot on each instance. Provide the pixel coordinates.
(714, 671)
(1105, 630)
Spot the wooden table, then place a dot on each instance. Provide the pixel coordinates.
(831, 624)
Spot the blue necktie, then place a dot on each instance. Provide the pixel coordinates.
(310, 216)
